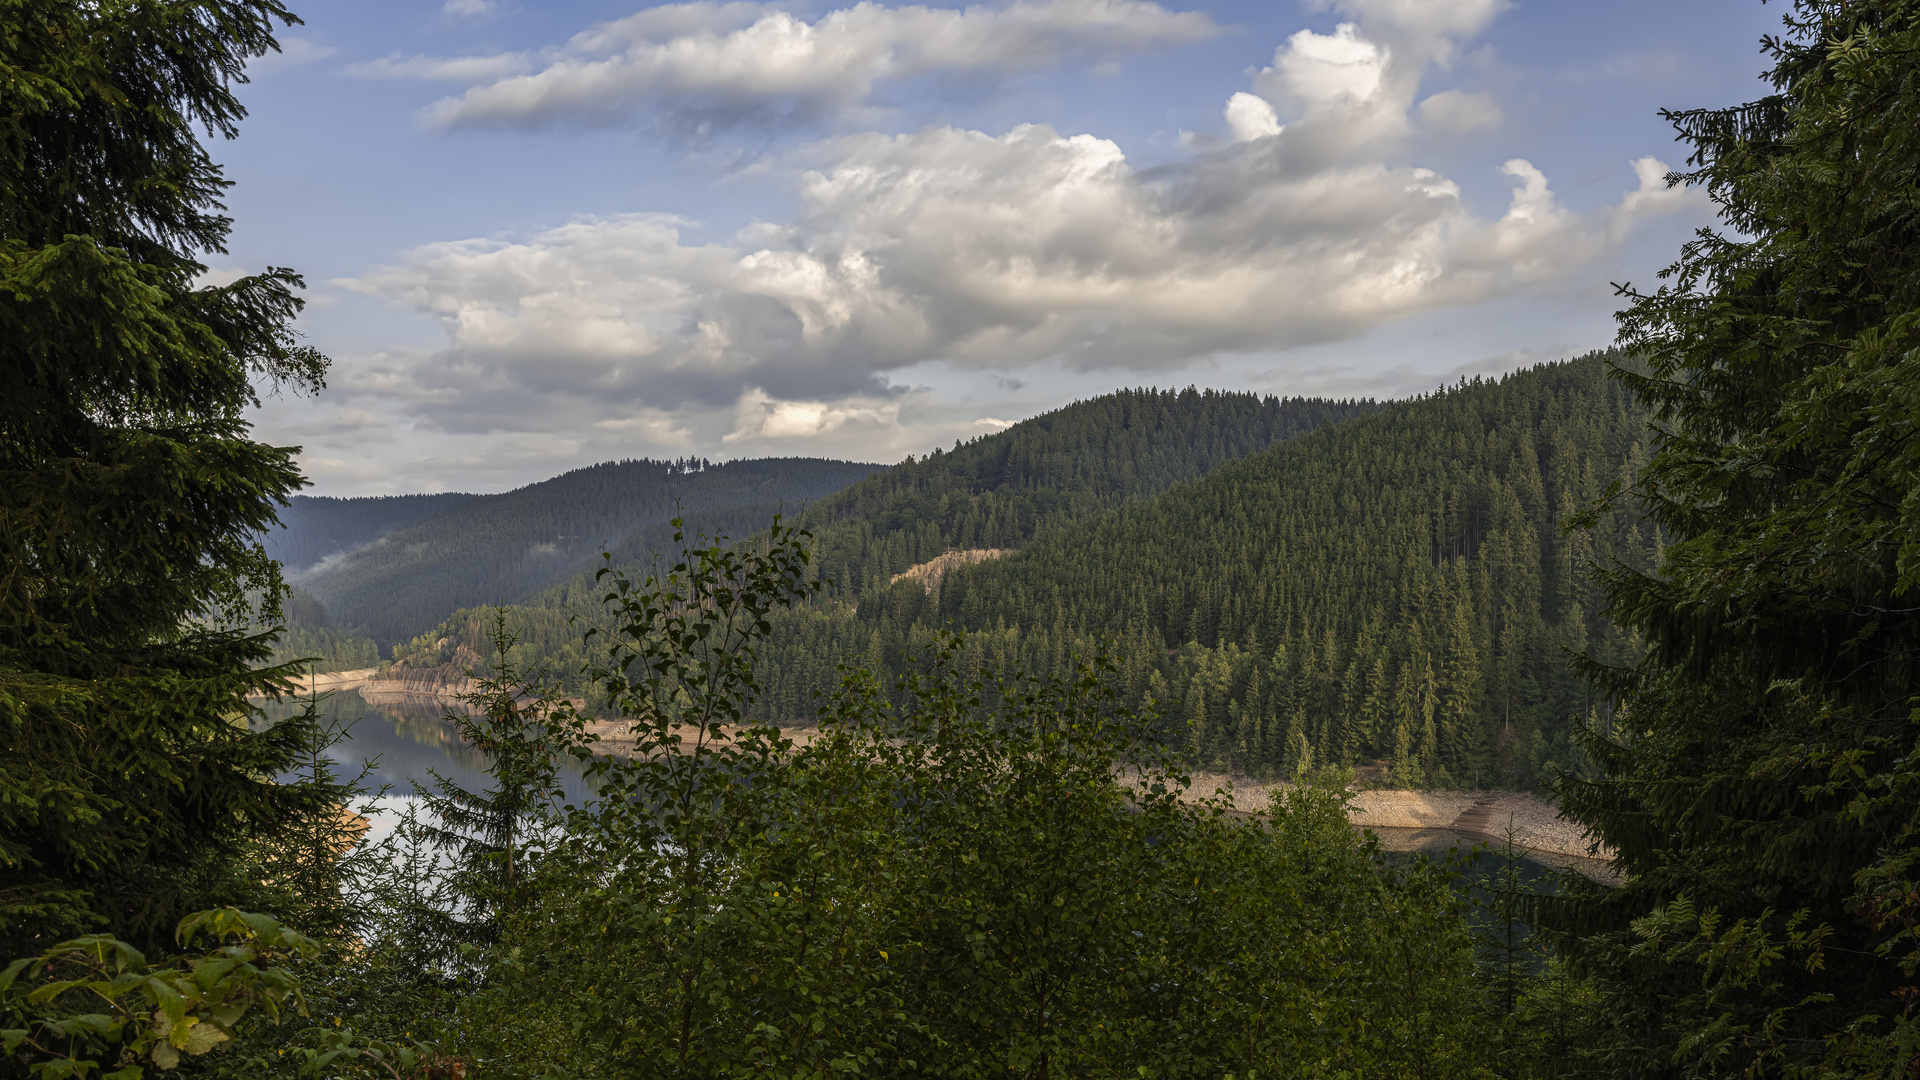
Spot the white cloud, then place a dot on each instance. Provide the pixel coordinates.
(1324, 67)
(1430, 29)
(1250, 117)
(981, 252)
(763, 417)
(469, 9)
(1351, 90)
(978, 256)
(717, 63)
(1653, 195)
(294, 52)
(1453, 112)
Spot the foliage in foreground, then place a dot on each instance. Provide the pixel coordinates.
(94, 1004)
(977, 874)
(1762, 790)
(130, 488)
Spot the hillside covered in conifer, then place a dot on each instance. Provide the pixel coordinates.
(313, 528)
(488, 549)
(1394, 587)
(996, 491)
(1393, 590)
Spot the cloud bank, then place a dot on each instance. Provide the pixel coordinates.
(973, 251)
(708, 64)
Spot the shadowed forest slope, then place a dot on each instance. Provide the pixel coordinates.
(315, 527)
(998, 490)
(1397, 588)
(1390, 588)
(495, 548)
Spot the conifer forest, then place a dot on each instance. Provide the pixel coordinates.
(1045, 754)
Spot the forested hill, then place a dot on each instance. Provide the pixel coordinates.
(997, 490)
(1396, 588)
(313, 527)
(1002, 490)
(489, 549)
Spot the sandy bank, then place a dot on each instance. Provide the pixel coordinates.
(331, 680)
(1477, 815)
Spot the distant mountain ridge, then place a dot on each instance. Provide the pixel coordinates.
(314, 528)
(488, 549)
(1290, 583)
(995, 491)
(1073, 464)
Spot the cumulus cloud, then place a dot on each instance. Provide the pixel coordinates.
(1250, 117)
(1350, 92)
(978, 251)
(708, 63)
(763, 417)
(972, 252)
(1326, 67)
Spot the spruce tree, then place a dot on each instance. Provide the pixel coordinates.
(1762, 763)
(130, 490)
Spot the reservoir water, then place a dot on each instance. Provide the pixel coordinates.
(405, 744)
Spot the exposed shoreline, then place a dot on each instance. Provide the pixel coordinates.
(1535, 823)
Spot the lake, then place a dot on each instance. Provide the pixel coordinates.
(404, 744)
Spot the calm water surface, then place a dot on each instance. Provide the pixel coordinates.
(404, 745)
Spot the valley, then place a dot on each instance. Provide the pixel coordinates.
(1289, 585)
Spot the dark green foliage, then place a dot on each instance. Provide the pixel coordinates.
(314, 527)
(1395, 587)
(1000, 491)
(487, 834)
(315, 861)
(130, 492)
(490, 549)
(977, 874)
(325, 650)
(1765, 760)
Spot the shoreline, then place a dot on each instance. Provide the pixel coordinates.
(1536, 825)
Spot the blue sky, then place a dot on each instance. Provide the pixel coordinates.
(540, 236)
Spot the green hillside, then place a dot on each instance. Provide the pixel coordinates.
(494, 548)
(1003, 490)
(1392, 589)
(1397, 588)
(998, 490)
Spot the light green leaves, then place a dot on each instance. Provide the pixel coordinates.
(93, 1003)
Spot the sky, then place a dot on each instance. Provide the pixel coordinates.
(540, 236)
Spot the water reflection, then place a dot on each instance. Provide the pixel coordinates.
(1407, 845)
(404, 741)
